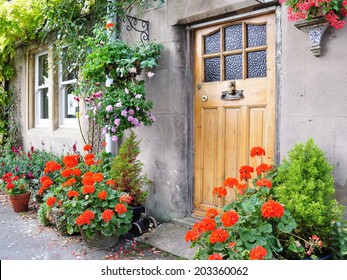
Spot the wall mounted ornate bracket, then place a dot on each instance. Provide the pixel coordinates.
(315, 29)
(139, 25)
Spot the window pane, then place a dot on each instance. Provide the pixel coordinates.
(70, 103)
(233, 37)
(256, 64)
(43, 69)
(69, 72)
(233, 67)
(256, 35)
(212, 43)
(212, 69)
(44, 103)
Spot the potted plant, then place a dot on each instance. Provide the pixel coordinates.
(304, 183)
(18, 189)
(252, 227)
(80, 190)
(333, 11)
(126, 171)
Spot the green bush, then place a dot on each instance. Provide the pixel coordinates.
(126, 170)
(305, 185)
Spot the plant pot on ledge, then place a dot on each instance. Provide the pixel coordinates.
(20, 202)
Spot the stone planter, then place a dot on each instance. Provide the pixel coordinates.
(60, 223)
(99, 241)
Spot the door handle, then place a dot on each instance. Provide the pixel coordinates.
(204, 98)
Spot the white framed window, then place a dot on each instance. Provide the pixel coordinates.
(67, 103)
(41, 90)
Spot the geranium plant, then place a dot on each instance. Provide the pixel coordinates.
(254, 226)
(122, 104)
(15, 184)
(83, 192)
(334, 11)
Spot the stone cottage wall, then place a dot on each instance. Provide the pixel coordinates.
(313, 97)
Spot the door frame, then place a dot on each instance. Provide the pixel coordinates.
(190, 39)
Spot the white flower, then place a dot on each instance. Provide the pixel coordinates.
(150, 74)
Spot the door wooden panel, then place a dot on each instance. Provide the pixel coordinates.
(224, 130)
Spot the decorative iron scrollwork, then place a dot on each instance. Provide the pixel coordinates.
(139, 25)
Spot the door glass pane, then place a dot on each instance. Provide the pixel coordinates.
(212, 69)
(233, 37)
(233, 67)
(212, 43)
(43, 69)
(44, 103)
(256, 35)
(256, 64)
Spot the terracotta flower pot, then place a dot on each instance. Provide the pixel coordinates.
(20, 202)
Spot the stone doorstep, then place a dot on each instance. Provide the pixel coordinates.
(169, 237)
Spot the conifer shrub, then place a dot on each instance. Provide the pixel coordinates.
(305, 186)
(126, 171)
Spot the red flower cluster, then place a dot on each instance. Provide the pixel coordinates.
(107, 215)
(263, 182)
(89, 159)
(125, 198)
(272, 209)
(231, 182)
(72, 193)
(215, 257)
(109, 25)
(102, 195)
(70, 160)
(229, 218)
(211, 213)
(218, 235)
(46, 182)
(87, 147)
(120, 208)
(245, 172)
(262, 168)
(257, 253)
(85, 218)
(69, 183)
(257, 151)
(51, 201)
(219, 191)
(88, 189)
(51, 166)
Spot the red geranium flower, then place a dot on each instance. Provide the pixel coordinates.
(231, 182)
(70, 161)
(102, 195)
(263, 167)
(72, 193)
(120, 208)
(125, 198)
(245, 172)
(66, 173)
(215, 257)
(110, 183)
(98, 177)
(191, 235)
(263, 182)
(85, 218)
(218, 235)
(51, 166)
(77, 172)
(107, 215)
(88, 189)
(51, 201)
(87, 147)
(69, 183)
(257, 151)
(272, 209)
(211, 213)
(109, 25)
(229, 218)
(219, 191)
(257, 253)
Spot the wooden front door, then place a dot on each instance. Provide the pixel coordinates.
(234, 102)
